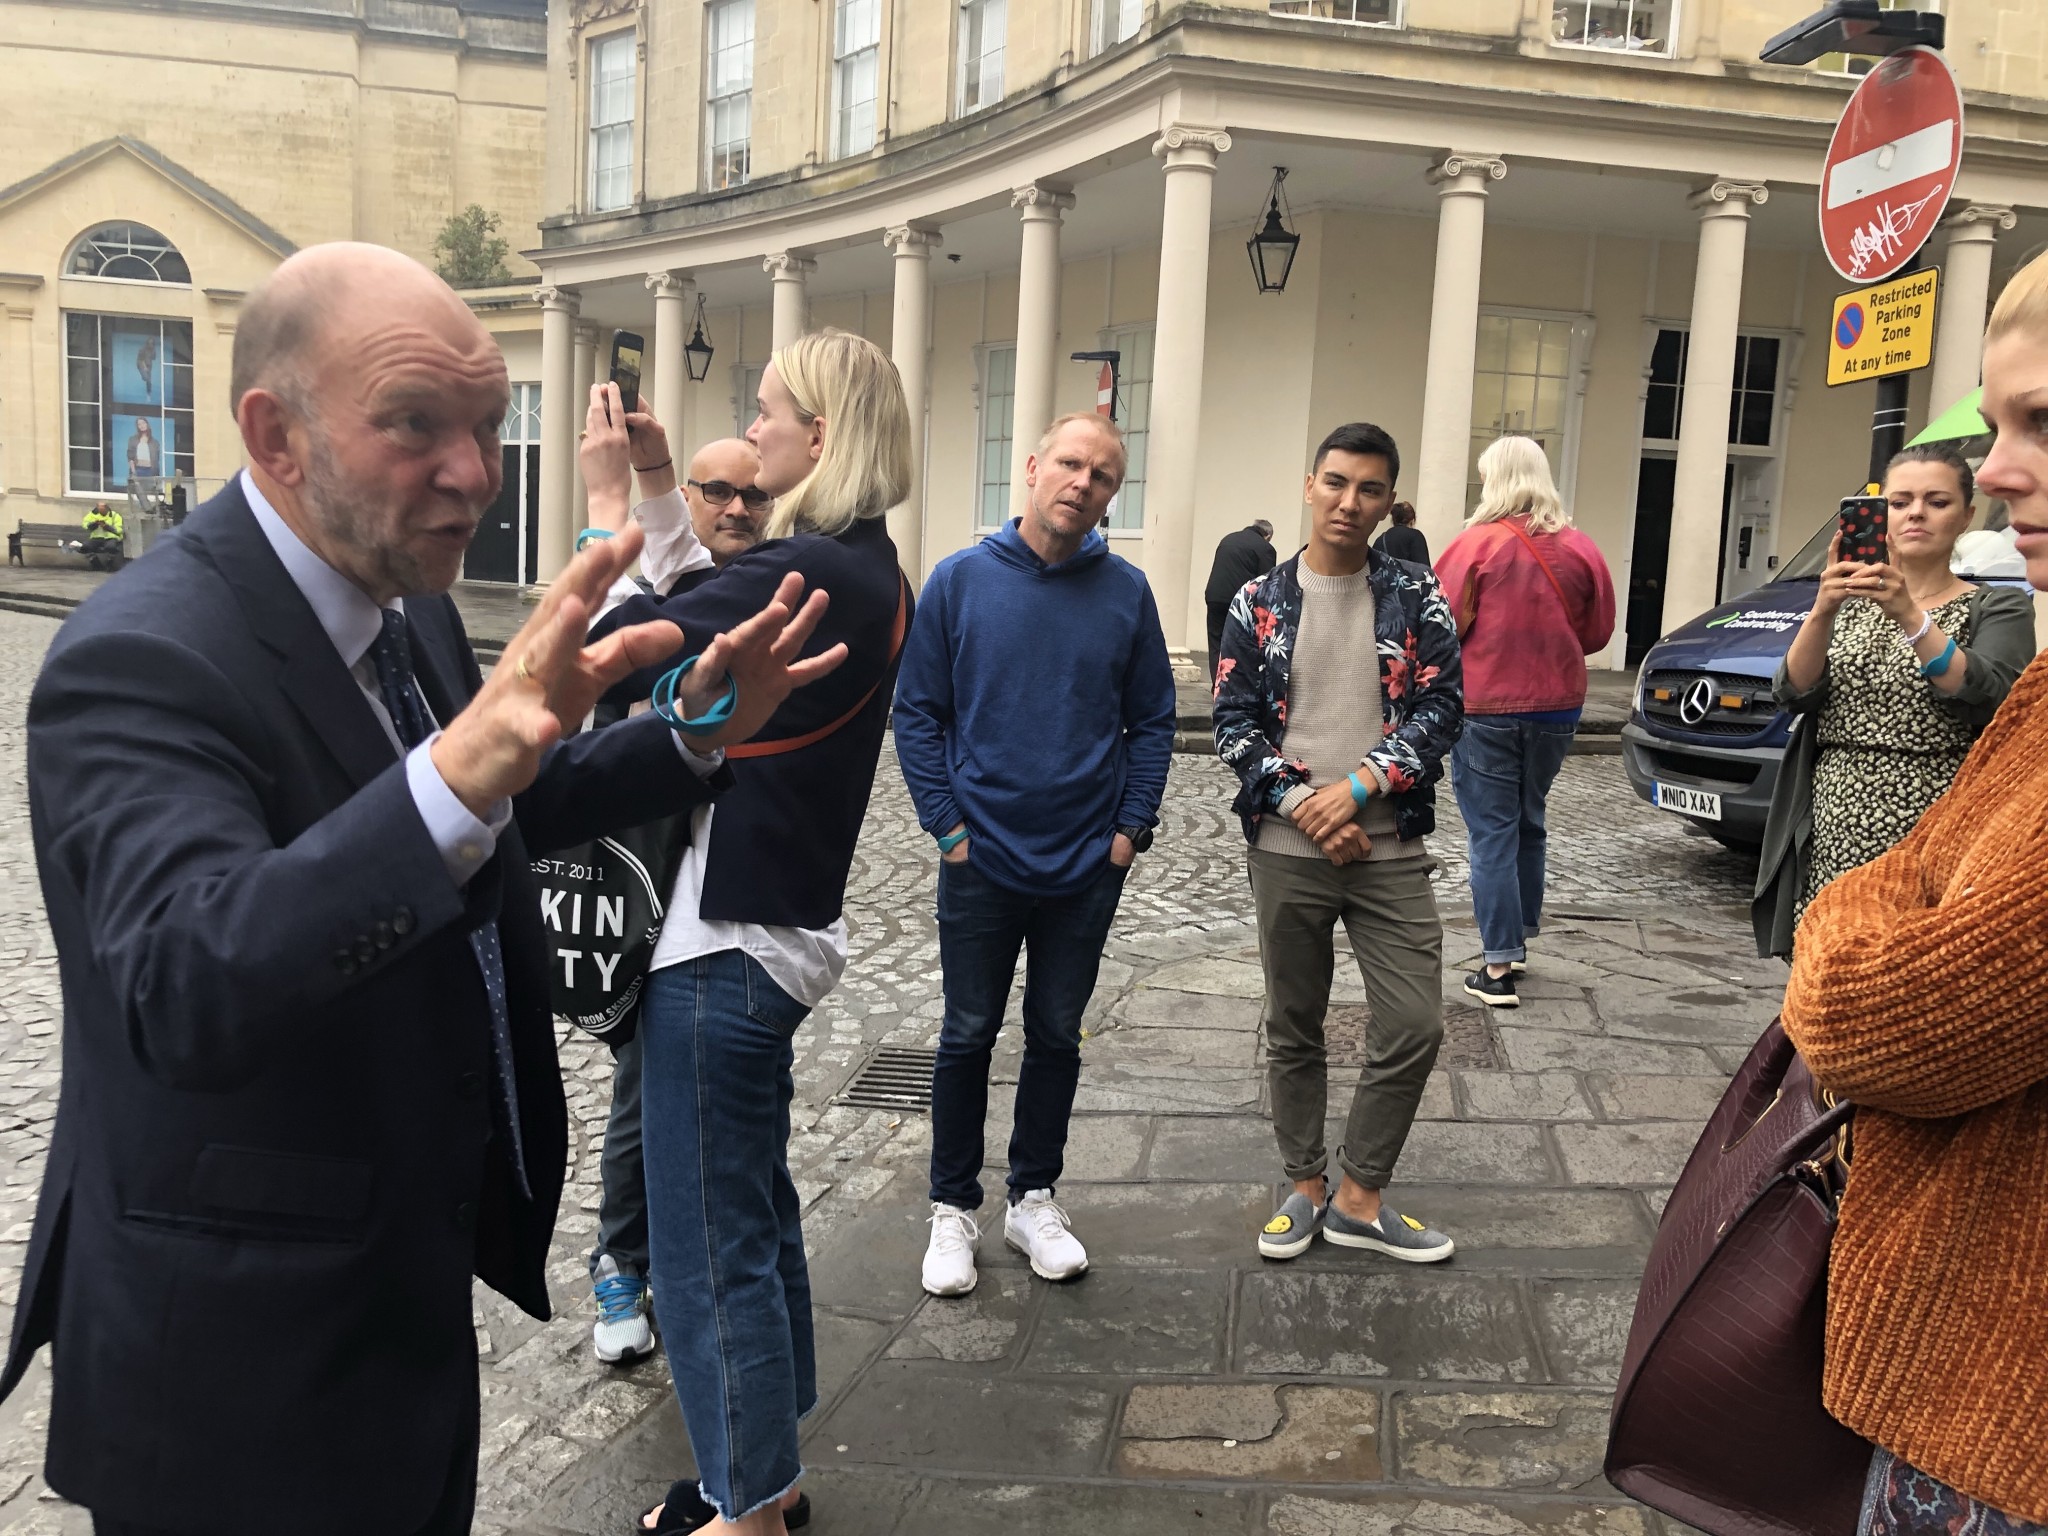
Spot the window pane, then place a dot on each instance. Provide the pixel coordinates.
(1754, 429)
(1556, 358)
(1493, 343)
(1549, 413)
(1763, 363)
(1667, 358)
(1518, 404)
(1522, 345)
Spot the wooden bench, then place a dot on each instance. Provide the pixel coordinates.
(27, 535)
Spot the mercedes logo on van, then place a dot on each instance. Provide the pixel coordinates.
(1697, 701)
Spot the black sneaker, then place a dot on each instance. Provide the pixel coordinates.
(1494, 991)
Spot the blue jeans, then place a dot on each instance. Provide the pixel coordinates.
(982, 925)
(1502, 769)
(731, 1288)
(622, 1218)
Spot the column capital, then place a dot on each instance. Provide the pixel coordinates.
(1462, 170)
(663, 284)
(912, 241)
(1978, 221)
(1728, 199)
(788, 266)
(1186, 144)
(563, 300)
(1040, 200)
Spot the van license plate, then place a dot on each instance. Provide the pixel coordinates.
(1687, 802)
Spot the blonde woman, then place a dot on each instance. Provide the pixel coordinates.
(754, 936)
(1532, 599)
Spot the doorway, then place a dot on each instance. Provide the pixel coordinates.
(1656, 480)
(507, 543)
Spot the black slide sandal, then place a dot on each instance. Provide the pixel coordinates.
(685, 1510)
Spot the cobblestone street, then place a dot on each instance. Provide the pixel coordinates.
(1182, 1378)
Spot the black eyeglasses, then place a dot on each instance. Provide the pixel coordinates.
(719, 492)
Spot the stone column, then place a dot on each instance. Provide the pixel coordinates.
(1965, 302)
(788, 272)
(909, 341)
(1038, 322)
(1445, 449)
(1179, 336)
(668, 383)
(1695, 549)
(586, 376)
(561, 418)
(17, 402)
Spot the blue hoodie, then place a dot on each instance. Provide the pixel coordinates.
(1036, 704)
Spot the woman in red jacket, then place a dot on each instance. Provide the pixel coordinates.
(1532, 599)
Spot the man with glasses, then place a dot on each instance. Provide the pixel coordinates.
(726, 514)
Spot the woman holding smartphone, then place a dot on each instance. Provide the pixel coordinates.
(754, 937)
(1897, 668)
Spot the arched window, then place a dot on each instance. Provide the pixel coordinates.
(131, 252)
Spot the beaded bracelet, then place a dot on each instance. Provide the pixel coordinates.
(1926, 623)
(588, 534)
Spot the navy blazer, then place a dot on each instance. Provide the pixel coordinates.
(272, 1173)
(782, 843)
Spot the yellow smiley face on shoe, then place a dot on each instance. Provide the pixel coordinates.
(1279, 1226)
(1412, 1223)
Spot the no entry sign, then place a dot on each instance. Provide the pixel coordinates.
(1891, 165)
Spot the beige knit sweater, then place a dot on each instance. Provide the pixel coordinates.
(1920, 991)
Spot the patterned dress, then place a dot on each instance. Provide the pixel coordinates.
(1887, 751)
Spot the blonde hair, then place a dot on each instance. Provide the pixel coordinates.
(2024, 304)
(1101, 423)
(1514, 477)
(864, 467)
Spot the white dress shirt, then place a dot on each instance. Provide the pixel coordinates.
(805, 962)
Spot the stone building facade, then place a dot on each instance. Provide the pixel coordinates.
(159, 157)
(1589, 220)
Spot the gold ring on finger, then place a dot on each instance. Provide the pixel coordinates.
(519, 671)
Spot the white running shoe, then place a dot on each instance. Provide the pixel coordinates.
(624, 1332)
(1038, 1229)
(949, 1258)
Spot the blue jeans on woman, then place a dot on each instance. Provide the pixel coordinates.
(982, 925)
(1501, 770)
(730, 1283)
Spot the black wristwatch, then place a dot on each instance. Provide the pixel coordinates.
(1141, 837)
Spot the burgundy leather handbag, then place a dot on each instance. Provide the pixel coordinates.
(1718, 1418)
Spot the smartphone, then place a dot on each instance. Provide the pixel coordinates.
(1864, 521)
(626, 350)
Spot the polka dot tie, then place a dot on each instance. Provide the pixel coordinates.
(392, 654)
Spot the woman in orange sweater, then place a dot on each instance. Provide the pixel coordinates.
(1920, 991)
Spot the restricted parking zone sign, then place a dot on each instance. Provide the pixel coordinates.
(1891, 165)
(1884, 329)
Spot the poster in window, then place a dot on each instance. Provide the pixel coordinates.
(138, 366)
(140, 448)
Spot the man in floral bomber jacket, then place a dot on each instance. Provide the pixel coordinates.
(1336, 796)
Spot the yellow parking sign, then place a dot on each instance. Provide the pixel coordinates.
(1884, 329)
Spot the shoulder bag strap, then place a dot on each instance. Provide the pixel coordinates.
(1530, 544)
(812, 738)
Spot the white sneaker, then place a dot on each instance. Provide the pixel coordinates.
(949, 1258)
(1037, 1228)
(623, 1333)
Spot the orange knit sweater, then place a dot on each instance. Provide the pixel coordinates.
(1920, 991)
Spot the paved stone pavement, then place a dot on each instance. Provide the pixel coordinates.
(1184, 1384)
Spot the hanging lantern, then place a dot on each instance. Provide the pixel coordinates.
(697, 354)
(1272, 248)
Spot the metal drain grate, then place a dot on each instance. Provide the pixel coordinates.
(895, 1077)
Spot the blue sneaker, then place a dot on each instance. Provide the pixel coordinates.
(625, 1327)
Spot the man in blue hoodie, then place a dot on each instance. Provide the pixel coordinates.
(1034, 723)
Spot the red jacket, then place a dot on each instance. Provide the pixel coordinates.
(1525, 640)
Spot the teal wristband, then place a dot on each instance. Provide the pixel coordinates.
(952, 840)
(588, 534)
(1359, 793)
(664, 703)
(1940, 663)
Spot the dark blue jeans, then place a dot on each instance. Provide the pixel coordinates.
(1502, 769)
(731, 1288)
(982, 925)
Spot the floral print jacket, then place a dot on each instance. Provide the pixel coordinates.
(1422, 701)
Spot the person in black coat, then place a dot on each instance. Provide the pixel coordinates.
(1243, 556)
(284, 830)
(1403, 540)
